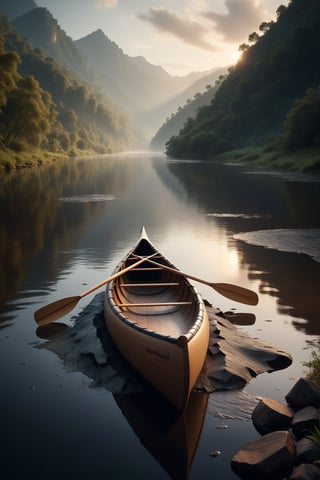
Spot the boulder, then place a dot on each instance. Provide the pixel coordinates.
(306, 471)
(307, 451)
(304, 421)
(304, 394)
(270, 415)
(271, 456)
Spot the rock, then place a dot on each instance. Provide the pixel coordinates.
(270, 415)
(271, 456)
(307, 451)
(304, 394)
(304, 421)
(305, 471)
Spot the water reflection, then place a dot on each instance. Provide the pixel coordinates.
(35, 223)
(171, 438)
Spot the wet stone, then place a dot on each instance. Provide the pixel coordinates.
(305, 471)
(270, 415)
(304, 421)
(307, 451)
(303, 394)
(271, 456)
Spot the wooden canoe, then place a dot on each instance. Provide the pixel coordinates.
(158, 322)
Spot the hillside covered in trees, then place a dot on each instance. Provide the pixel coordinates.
(175, 122)
(43, 106)
(271, 98)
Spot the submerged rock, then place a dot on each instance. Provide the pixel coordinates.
(233, 357)
(269, 457)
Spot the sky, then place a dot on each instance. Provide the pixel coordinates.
(180, 35)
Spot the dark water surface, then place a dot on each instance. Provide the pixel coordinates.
(65, 226)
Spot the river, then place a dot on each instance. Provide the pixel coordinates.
(65, 226)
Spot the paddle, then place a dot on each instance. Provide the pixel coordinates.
(51, 312)
(234, 292)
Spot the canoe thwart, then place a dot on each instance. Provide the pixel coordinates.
(159, 284)
(155, 304)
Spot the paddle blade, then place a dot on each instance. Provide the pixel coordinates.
(53, 311)
(236, 293)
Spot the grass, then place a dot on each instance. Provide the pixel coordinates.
(300, 161)
(314, 375)
(314, 368)
(10, 160)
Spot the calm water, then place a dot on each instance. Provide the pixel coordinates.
(65, 226)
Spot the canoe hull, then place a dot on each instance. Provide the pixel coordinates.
(171, 365)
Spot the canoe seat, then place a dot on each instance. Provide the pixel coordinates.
(155, 304)
(160, 284)
(146, 268)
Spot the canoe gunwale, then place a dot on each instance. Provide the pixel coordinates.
(120, 313)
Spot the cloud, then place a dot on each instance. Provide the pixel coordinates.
(185, 29)
(106, 3)
(243, 17)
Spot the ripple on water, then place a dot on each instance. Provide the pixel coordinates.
(95, 197)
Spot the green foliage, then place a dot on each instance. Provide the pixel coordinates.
(314, 368)
(42, 105)
(302, 125)
(257, 101)
(315, 435)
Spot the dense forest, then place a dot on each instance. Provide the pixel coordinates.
(44, 106)
(270, 98)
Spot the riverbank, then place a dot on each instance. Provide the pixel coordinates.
(306, 161)
(10, 160)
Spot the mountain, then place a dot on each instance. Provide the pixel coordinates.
(44, 32)
(12, 9)
(43, 105)
(146, 91)
(252, 104)
(132, 82)
(186, 104)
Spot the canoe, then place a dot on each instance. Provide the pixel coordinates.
(158, 322)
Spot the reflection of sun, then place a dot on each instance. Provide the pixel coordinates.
(233, 261)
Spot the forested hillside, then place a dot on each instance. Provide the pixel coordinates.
(176, 121)
(43, 106)
(270, 97)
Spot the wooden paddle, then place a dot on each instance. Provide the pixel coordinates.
(234, 292)
(51, 312)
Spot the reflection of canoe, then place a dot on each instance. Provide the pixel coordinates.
(158, 322)
(171, 438)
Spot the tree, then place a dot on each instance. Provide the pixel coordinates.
(302, 124)
(28, 114)
(253, 37)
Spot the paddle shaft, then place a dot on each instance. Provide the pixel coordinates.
(55, 310)
(234, 292)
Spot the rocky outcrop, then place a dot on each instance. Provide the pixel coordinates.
(296, 421)
(233, 358)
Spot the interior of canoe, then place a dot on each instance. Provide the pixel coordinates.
(154, 298)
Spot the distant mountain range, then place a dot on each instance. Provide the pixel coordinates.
(146, 91)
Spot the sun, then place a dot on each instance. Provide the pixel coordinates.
(236, 56)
